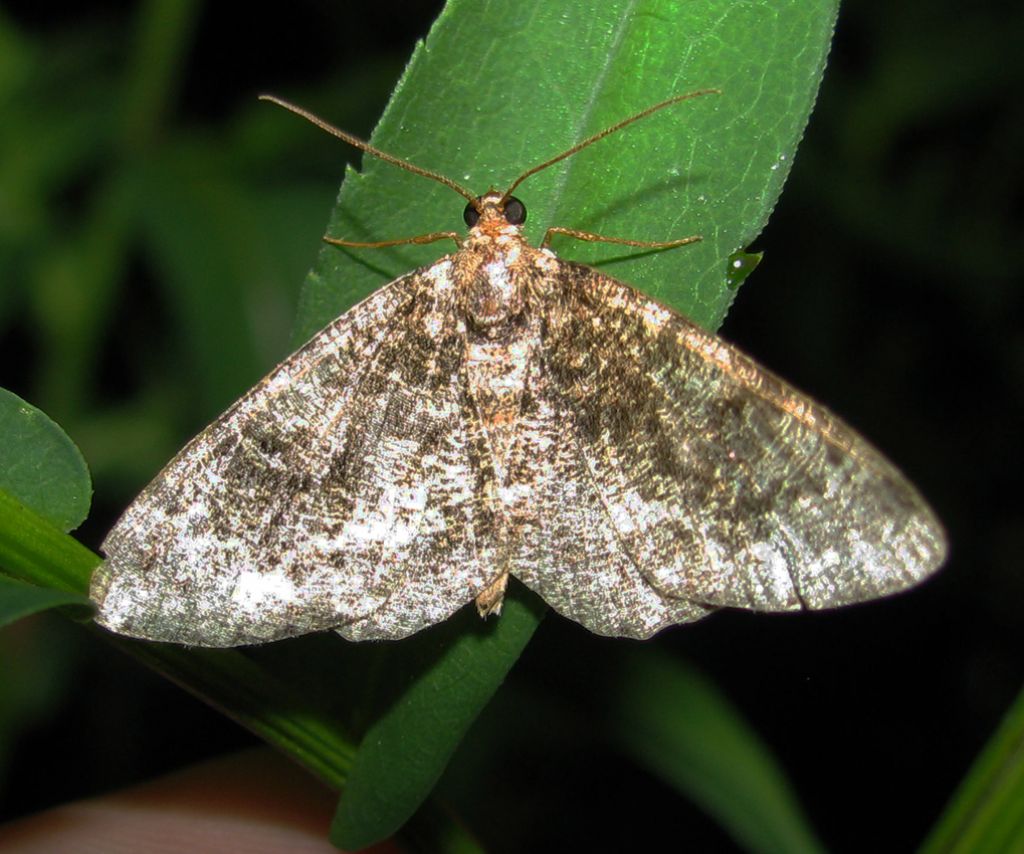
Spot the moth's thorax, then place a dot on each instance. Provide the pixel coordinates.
(496, 276)
(494, 270)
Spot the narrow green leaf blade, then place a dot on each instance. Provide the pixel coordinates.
(443, 682)
(40, 465)
(676, 724)
(19, 600)
(34, 549)
(497, 88)
(987, 811)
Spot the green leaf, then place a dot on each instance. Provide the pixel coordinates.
(987, 811)
(676, 724)
(40, 465)
(40, 469)
(444, 682)
(497, 88)
(19, 600)
(740, 265)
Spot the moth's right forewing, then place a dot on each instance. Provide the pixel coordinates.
(726, 486)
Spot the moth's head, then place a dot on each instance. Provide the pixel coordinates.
(495, 213)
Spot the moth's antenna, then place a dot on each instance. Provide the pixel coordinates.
(369, 149)
(590, 140)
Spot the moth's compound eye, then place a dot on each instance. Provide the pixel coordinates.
(471, 215)
(515, 211)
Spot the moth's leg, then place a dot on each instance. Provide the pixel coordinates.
(491, 597)
(619, 241)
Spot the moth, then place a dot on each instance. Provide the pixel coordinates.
(500, 412)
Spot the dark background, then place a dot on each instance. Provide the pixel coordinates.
(890, 289)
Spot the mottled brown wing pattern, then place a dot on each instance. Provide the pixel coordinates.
(338, 493)
(723, 485)
(567, 552)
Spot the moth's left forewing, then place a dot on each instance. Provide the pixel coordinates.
(337, 493)
(728, 487)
